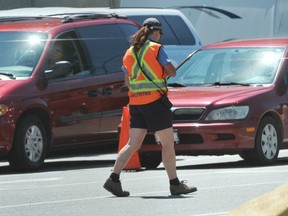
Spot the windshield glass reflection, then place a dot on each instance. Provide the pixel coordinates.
(20, 53)
(246, 66)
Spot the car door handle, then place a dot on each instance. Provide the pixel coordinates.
(107, 91)
(93, 93)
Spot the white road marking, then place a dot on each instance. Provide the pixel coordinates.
(30, 180)
(136, 195)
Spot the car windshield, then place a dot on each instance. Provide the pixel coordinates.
(20, 52)
(230, 66)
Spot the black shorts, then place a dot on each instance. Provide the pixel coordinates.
(154, 116)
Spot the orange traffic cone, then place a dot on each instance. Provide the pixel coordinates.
(134, 161)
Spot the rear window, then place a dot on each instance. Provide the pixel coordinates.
(176, 32)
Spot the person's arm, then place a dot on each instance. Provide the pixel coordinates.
(164, 60)
(127, 83)
(170, 69)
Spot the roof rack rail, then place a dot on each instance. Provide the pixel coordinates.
(67, 17)
(19, 18)
(70, 17)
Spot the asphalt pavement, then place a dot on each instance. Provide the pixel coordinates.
(73, 186)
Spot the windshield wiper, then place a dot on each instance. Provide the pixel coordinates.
(176, 85)
(11, 76)
(229, 83)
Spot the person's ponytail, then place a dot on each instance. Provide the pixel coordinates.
(139, 38)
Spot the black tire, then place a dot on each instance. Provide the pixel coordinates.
(247, 156)
(29, 146)
(150, 160)
(267, 143)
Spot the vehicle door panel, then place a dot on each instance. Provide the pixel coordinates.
(76, 113)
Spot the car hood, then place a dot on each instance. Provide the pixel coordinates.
(204, 96)
(6, 86)
(3, 84)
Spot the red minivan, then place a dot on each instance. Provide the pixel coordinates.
(61, 83)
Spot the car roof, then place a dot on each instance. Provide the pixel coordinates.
(42, 11)
(71, 11)
(30, 24)
(62, 10)
(45, 18)
(46, 22)
(275, 41)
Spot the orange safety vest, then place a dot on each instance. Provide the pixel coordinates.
(142, 90)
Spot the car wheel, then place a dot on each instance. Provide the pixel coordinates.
(247, 156)
(267, 143)
(29, 146)
(150, 160)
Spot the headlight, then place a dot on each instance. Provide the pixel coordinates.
(228, 113)
(3, 109)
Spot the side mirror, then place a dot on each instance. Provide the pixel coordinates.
(61, 69)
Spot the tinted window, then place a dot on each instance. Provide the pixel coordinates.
(66, 47)
(175, 30)
(128, 30)
(181, 30)
(106, 45)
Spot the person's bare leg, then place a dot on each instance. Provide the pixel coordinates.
(169, 161)
(168, 151)
(137, 136)
(113, 183)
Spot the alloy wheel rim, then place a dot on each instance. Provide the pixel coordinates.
(33, 143)
(269, 141)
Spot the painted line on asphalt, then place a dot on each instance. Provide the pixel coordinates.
(52, 202)
(137, 195)
(77, 200)
(8, 185)
(30, 180)
(244, 185)
(211, 214)
(259, 170)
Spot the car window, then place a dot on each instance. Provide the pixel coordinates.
(181, 30)
(106, 45)
(175, 29)
(66, 47)
(128, 30)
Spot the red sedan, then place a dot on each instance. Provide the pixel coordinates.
(229, 98)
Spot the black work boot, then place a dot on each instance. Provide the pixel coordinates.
(115, 188)
(182, 188)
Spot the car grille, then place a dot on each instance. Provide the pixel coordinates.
(184, 139)
(190, 139)
(187, 114)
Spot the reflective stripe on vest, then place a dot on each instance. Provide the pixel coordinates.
(141, 85)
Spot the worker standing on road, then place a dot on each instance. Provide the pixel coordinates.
(147, 111)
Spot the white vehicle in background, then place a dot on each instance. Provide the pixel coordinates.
(180, 37)
(220, 20)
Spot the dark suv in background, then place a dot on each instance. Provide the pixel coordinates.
(76, 101)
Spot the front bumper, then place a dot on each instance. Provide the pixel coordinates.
(208, 138)
(7, 128)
